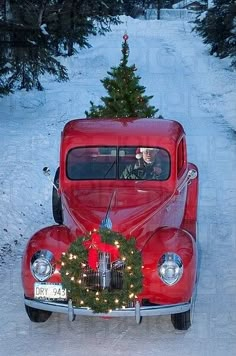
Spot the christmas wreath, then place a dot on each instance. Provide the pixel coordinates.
(82, 259)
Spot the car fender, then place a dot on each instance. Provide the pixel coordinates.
(162, 241)
(56, 239)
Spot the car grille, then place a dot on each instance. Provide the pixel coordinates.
(93, 279)
(108, 275)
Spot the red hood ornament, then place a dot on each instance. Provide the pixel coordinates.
(94, 246)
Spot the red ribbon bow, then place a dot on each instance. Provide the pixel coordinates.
(94, 246)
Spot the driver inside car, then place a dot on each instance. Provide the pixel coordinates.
(148, 165)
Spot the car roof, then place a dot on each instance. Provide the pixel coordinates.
(122, 131)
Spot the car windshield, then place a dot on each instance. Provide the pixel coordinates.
(135, 163)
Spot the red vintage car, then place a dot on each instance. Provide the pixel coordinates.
(125, 202)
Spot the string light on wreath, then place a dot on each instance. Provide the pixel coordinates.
(76, 271)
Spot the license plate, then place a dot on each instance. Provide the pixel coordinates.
(49, 291)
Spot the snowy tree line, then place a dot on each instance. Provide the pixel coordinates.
(34, 33)
(217, 26)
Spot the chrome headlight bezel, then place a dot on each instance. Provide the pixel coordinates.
(42, 265)
(170, 268)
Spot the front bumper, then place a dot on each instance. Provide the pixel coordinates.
(137, 311)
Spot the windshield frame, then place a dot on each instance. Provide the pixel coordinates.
(112, 160)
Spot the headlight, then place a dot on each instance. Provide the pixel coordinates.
(42, 265)
(170, 268)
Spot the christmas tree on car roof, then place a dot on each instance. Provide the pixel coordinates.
(125, 95)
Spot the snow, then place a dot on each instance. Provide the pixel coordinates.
(43, 29)
(8, 65)
(202, 16)
(184, 3)
(210, 3)
(188, 85)
(32, 42)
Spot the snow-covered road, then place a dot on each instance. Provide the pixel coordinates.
(187, 85)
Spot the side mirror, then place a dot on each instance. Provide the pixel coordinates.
(192, 174)
(46, 171)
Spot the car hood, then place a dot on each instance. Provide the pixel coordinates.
(130, 211)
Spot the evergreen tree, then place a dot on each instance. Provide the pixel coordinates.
(28, 55)
(218, 28)
(33, 33)
(72, 21)
(5, 69)
(126, 97)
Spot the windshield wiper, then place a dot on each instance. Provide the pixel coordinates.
(110, 168)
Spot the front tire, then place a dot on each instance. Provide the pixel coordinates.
(56, 201)
(37, 315)
(182, 321)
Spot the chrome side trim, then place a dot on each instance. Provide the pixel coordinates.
(137, 311)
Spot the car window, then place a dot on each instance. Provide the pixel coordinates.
(110, 162)
(181, 157)
(92, 163)
(144, 163)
